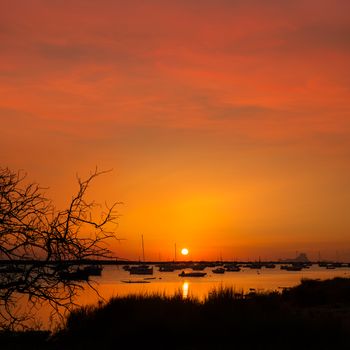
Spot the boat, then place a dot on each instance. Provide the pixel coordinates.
(93, 270)
(141, 270)
(219, 270)
(135, 281)
(322, 264)
(166, 268)
(192, 274)
(294, 268)
(233, 268)
(198, 267)
(255, 265)
(76, 275)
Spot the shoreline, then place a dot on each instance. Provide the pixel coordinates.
(315, 312)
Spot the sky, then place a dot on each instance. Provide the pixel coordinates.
(226, 123)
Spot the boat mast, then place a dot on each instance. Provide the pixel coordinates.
(143, 249)
(175, 253)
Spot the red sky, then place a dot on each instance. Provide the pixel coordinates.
(227, 122)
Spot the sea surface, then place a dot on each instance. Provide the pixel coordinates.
(111, 284)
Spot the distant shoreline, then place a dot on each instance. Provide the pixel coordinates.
(155, 262)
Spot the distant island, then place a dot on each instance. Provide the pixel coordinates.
(300, 258)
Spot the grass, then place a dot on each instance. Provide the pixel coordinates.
(314, 315)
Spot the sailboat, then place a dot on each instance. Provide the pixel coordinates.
(141, 269)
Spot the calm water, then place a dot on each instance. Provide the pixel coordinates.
(110, 283)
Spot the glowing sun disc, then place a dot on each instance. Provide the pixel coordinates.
(184, 251)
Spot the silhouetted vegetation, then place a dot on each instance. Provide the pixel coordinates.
(334, 292)
(33, 230)
(314, 315)
(24, 340)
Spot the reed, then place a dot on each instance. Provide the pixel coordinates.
(225, 319)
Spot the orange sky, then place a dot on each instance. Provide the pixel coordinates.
(227, 122)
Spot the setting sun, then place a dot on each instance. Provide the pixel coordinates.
(184, 251)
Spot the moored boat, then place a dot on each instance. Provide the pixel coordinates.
(255, 265)
(166, 268)
(233, 268)
(93, 270)
(198, 267)
(192, 274)
(141, 270)
(294, 268)
(135, 281)
(219, 270)
(76, 275)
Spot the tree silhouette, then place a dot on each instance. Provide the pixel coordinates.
(32, 229)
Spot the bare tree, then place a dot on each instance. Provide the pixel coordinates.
(32, 230)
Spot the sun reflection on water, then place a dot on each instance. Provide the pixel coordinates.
(185, 290)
